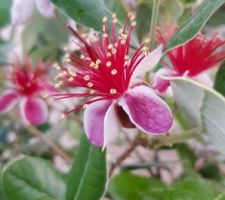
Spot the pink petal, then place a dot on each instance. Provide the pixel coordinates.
(49, 89)
(146, 110)
(7, 101)
(46, 8)
(160, 84)
(34, 110)
(112, 125)
(148, 62)
(21, 11)
(94, 121)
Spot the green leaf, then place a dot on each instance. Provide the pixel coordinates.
(88, 12)
(42, 33)
(32, 178)
(220, 197)
(192, 189)
(170, 14)
(127, 186)
(143, 20)
(218, 18)
(189, 99)
(219, 84)
(211, 171)
(5, 12)
(88, 176)
(186, 154)
(117, 7)
(202, 106)
(4, 49)
(195, 23)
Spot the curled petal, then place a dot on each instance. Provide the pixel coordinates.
(7, 101)
(94, 121)
(204, 79)
(148, 62)
(160, 84)
(34, 110)
(146, 110)
(21, 11)
(112, 125)
(46, 8)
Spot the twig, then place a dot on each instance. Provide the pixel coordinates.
(171, 139)
(50, 143)
(137, 141)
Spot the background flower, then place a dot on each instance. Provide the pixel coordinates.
(22, 11)
(26, 87)
(190, 59)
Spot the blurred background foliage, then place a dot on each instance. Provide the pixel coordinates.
(203, 172)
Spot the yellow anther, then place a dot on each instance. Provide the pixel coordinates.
(56, 65)
(114, 15)
(50, 100)
(114, 72)
(66, 48)
(70, 79)
(121, 31)
(104, 19)
(58, 85)
(126, 57)
(82, 56)
(113, 51)
(85, 106)
(98, 61)
(108, 64)
(110, 46)
(62, 116)
(92, 91)
(67, 60)
(86, 77)
(133, 24)
(115, 20)
(92, 64)
(90, 84)
(113, 91)
(131, 16)
(72, 73)
(96, 66)
(108, 54)
(45, 95)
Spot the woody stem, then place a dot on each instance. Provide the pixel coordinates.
(50, 143)
(171, 139)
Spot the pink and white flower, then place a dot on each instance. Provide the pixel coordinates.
(105, 69)
(190, 59)
(26, 87)
(22, 11)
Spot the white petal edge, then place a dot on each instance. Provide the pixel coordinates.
(148, 62)
(112, 126)
(204, 79)
(93, 118)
